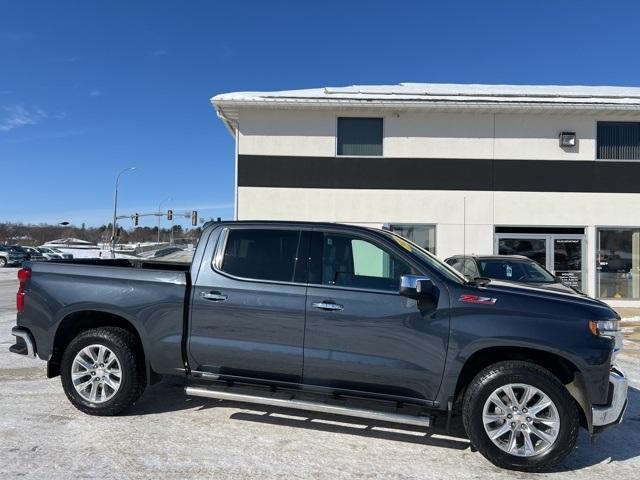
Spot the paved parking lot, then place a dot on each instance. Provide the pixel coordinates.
(167, 435)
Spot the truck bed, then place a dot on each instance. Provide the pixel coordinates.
(151, 295)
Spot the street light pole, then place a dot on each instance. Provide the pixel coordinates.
(160, 214)
(115, 212)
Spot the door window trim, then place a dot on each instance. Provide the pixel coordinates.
(221, 245)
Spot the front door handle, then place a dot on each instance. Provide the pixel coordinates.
(327, 305)
(214, 296)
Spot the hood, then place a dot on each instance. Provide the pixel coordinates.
(551, 291)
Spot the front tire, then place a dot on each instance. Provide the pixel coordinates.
(3, 262)
(520, 416)
(102, 371)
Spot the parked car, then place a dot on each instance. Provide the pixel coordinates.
(34, 254)
(268, 311)
(10, 257)
(512, 268)
(54, 253)
(22, 250)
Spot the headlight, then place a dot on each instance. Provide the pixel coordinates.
(605, 328)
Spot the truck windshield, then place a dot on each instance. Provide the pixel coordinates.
(426, 257)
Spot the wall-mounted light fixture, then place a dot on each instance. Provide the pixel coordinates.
(568, 139)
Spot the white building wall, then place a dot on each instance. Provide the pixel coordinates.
(438, 135)
(409, 134)
(536, 137)
(308, 133)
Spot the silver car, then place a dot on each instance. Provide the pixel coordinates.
(10, 257)
(54, 254)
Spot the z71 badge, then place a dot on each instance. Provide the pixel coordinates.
(466, 298)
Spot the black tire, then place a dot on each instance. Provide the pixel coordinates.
(513, 372)
(3, 262)
(126, 348)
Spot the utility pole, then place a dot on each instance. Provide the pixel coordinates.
(160, 214)
(115, 212)
(171, 237)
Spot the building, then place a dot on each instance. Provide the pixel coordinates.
(551, 172)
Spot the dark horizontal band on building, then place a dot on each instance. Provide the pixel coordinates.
(439, 174)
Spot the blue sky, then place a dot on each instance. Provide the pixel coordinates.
(90, 87)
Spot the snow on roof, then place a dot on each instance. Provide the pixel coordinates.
(69, 241)
(427, 91)
(439, 95)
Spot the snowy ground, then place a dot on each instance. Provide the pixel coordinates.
(167, 435)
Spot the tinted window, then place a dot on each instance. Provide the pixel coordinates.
(359, 136)
(353, 262)
(515, 271)
(261, 254)
(619, 140)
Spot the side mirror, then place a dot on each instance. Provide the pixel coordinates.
(416, 286)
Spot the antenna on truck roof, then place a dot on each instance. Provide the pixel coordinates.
(464, 234)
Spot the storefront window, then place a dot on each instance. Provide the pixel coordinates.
(618, 263)
(422, 235)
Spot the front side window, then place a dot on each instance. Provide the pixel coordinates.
(354, 262)
(618, 265)
(261, 254)
(618, 140)
(360, 136)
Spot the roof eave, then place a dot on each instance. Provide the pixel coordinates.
(227, 109)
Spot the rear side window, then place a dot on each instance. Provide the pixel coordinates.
(261, 254)
(354, 262)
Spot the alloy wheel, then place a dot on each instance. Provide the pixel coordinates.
(521, 419)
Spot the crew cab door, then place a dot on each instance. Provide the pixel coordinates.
(361, 334)
(248, 307)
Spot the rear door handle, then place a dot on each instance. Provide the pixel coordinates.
(327, 305)
(214, 296)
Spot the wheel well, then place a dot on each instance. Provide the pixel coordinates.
(78, 322)
(559, 366)
(562, 368)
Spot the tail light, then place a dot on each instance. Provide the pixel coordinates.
(24, 275)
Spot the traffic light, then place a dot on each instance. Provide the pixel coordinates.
(169, 214)
(194, 218)
(135, 219)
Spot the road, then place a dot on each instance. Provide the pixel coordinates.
(167, 435)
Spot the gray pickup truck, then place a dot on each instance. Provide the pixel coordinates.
(336, 319)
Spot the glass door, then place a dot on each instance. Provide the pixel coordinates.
(531, 247)
(567, 261)
(561, 254)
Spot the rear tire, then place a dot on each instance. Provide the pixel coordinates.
(111, 358)
(3, 262)
(509, 384)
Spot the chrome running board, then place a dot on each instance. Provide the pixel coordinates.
(422, 421)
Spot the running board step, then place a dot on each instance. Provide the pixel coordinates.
(422, 421)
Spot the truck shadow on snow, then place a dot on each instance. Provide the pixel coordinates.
(616, 444)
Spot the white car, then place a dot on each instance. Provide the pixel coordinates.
(54, 254)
